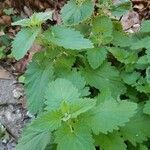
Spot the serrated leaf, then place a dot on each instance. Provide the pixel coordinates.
(37, 78)
(59, 91)
(102, 30)
(96, 56)
(141, 43)
(103, 25)
(67, 38)
(138, 129)
(130, 78)
(73, 13)
(78, 80)
(34, 20)
(142, 60)
(110, 115)
(33, 140)
(78, 139)
(23, 41)
(123, 56)
(146, 109)
(64, 63)
(49, 121)
(121, 8)
(121, 39)
(82, 105)
(106, 76)
(143, 86)
(111, 141)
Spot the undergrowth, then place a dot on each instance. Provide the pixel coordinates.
(90, 84)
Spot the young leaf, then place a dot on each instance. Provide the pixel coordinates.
(138, 129)
(73, 13)
(33, 140)
(82, 105)
(59, 91)
(67, 38)
(34, 20)
(146, 109)
(49, 121)
(78, 139)
(109, 115)
(111, 141)
(37, 78)
(23, 41)
(102, 25)
(106, 76)
(96, 56)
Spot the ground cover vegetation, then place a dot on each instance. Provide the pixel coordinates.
(90, 84)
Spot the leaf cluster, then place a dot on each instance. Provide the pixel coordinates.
(90, 85)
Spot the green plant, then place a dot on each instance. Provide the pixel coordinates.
(90, 83)
(2, 55)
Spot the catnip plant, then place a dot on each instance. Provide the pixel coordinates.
(90, 84)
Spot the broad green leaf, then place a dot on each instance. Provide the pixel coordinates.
(106, 76)
(146, 109)
(123, 56)
(37, 77)
(141, 43)
(119, 54)
(102, 30)
(142, 85)
(64, 64)
(142, 60)
(104, 95)
(138, 129)
(60, 90)
(96, 56)
(73, 13)
(102, 25)
(145, 26)
(33, 140)
(109, 115)
(78, 80)
(77, 138)
(121, 39)
(67, 38)
(48, 122)
(23, 41)
(121, 8)
(34, 20)
(81, 106)
(111, 141)
(130, 78)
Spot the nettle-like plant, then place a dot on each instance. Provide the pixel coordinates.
(90, 85)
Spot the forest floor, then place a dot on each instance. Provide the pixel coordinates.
(13, 113)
